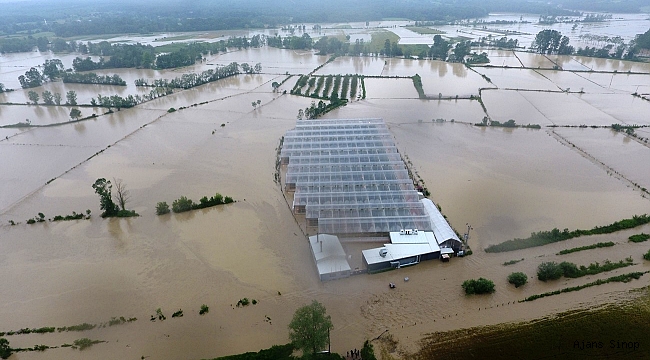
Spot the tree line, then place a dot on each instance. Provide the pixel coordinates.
(191, 80)
(93, 78)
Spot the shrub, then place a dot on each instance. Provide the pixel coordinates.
(126, 213)
(179, 313)
(549, 271)
(5, 349)
(80, 327)
(518, 279)
(204, 309)
(570, 270)
(588, 247)
(512, 262)
(84, 343)
(647, 255)
(182, 204)
(171, 110)
(162, 208)
(368, 352)
(243, 302)
(227, 200)
(639, 238)
(480, 286)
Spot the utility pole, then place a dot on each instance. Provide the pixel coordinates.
(469, 227)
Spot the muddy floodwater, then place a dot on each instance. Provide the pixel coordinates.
(502, 182)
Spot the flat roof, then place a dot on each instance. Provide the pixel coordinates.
(328, 253)
(403, 246)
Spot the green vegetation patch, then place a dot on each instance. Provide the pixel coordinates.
(424, 30)
(639, 238)
(555, 235)
(277, 352)
(627, 327)
(417, 82)
(512, 262)
(378, 39)
(619, 278)
(479, 286)
(552, 270)
(588, 247)
(518, 279)
(85, 343)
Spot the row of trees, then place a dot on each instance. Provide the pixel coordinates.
(50, 98)
(191, 80)
(553, 42)
(93, 78)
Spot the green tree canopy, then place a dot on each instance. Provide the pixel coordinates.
(518, 279)
(103, 189)
(5, 350)
(33, 96)
(309, 329)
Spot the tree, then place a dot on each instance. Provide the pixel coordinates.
(32, 78)
(549, 271)
(52, 69)
(162, 208)
(103, 189)
(480, 286)
(440, 48)
(48, 98)
(122, 194)
(71, 98)
(3, 89)
(75, 114)
(518, 279)
(5, 350)
(310, 327)
(182, 204)
(551, 41)
(461, 50)
(33, 96)
(57, 98)
(368, 352)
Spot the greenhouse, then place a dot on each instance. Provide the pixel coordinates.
(348, 178)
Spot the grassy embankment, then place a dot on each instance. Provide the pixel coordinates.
(555, 235)
(618, 331)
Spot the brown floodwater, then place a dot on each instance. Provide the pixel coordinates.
(342, 65)
(517, 79)
(504, 182)
(620, 152)
(438, 77)
(532, 60)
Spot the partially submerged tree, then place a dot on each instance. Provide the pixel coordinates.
(33, 96)
(75, 113)
(122, 194)
(518, 279)
(310, 327)
(5, 349)
(103, 189)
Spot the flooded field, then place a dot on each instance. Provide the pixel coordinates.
(621, 153)
(505, 183)
(369, 66)
(439, 77)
